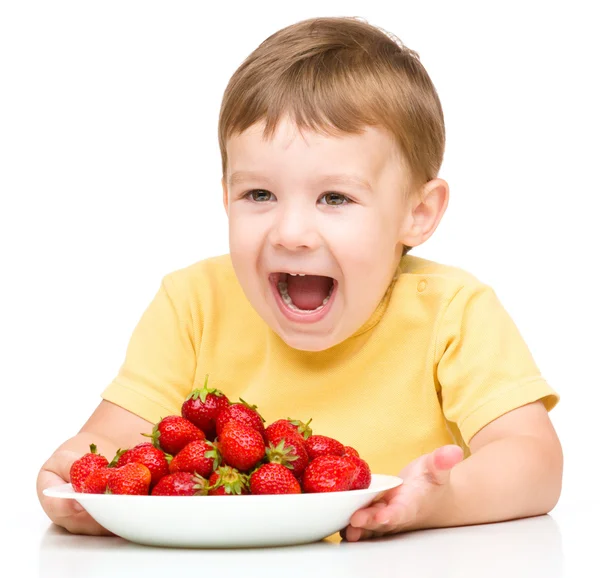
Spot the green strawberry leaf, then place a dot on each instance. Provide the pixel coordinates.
(114, 461)
(155, 435)
(215, 454)
(253, 407)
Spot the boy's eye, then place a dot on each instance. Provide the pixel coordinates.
(335, 199)
(331, 199)
(259, 195)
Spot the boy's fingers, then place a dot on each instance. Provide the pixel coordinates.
(57, 471)
(82, 523)
(361, 517)
(61, 509)
(70, 515)
(55, 507)
(352, 534)
(66, 513)
(384, 518)
(440, 462)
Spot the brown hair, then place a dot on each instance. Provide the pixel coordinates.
(336, 76)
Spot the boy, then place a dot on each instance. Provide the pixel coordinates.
(332, 136)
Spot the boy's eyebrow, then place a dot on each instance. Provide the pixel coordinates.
(240, 176)
(340, 179)
(347, 179)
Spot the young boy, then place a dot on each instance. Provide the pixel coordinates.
(332, 136)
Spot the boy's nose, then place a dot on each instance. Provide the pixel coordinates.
(294, 230)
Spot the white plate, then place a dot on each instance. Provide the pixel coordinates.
(226, 521)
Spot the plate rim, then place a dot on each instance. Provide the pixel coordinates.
(59, 491)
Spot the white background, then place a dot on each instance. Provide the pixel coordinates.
(110, 179)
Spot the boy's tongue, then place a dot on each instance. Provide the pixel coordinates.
(308, 292)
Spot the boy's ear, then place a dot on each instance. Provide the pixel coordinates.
(426, 210)
(225, 195)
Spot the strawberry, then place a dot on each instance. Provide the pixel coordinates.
(130, 479)
(329, 474)
(226, 481)
(242, 412)
(289, 452)
(241, 446)
(96, 482)
(145, 453)
(279, 427)
(181, 484)
(200, 457)
(84, 466)
(202, 407)
(274, 479)
(318, 445)
(363, 475)
(172, 433)
(350, 451)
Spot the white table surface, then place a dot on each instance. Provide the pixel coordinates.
(564, 543)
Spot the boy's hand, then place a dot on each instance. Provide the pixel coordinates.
(412, 504)
(66, 513)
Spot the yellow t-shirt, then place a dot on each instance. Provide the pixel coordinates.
(439, 359)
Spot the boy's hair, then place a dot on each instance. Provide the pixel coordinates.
(336, 76)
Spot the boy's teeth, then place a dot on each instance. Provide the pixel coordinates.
(282, 286)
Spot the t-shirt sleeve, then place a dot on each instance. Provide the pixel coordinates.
(484, 368)
(160, 363)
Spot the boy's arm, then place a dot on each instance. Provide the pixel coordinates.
(110, 427)
(514, 471)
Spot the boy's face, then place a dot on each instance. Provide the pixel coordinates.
(332, 208)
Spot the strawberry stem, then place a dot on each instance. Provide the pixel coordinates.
(281, 454)
(303, 428)
(215, 454)
(200, 485)
(114, 461)
(232, 480)
(203, 392)
(155, 435)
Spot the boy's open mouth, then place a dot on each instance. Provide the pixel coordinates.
(304, 292)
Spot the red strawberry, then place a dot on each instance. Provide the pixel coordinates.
(289, 452)
(279, 427)
(200, 457)
(145, 453)
(241, 446)
(318, 445)
(273, 479)
(181, 484)
(131, 479)
(84, 466)
(244, 413)
(329, 474)
(350, 451)
(202, 407)
(363, 475)
(96, 482)
(172, 433)
(227, 481)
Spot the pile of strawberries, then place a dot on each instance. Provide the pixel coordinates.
(217, 447)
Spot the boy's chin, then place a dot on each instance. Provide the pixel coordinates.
(307, 341)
